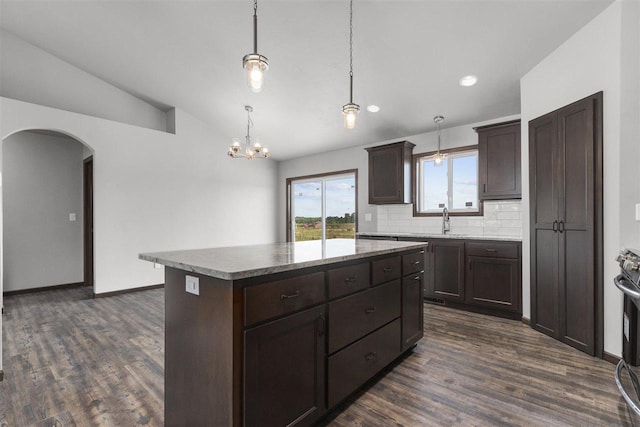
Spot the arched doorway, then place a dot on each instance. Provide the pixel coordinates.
(46, 201)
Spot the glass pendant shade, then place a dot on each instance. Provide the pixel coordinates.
(349, 112)
(255, 66)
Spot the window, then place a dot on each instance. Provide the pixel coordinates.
(452, 184)
(322, 207)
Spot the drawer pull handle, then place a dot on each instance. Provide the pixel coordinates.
(351, 279)
(491, 250)
(295, 295)
(371, 310)
(415, 278)
(422, 251)
(387, 269)
(415, 262)
(370, 356)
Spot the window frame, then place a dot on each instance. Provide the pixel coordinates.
(416, 188)
(323, 176)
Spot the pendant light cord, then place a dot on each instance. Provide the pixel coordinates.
(249, 124)
(350, 51)
(255, 26)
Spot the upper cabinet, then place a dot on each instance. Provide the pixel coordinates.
(499, 161)
(390, 173)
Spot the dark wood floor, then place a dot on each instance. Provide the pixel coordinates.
(73, 360)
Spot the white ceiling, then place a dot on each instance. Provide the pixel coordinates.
(408, 57)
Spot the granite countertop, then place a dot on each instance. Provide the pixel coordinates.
(441, 236)
(240, 262)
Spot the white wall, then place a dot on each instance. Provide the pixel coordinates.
(42, 186)
(401, 216)
(592, 60)
(30, 74)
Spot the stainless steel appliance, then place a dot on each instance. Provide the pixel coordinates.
(628, 281)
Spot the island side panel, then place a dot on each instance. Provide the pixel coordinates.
(199, 347)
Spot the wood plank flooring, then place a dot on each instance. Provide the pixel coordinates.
(73, 360)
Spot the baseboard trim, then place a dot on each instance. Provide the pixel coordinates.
(128, 291)
(43, 289)
(526, 321)
(610, 358)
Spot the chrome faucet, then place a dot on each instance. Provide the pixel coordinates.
(446, 225)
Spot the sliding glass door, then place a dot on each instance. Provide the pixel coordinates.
(322, 206)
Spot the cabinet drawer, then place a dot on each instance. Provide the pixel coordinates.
(413, 262)
(491, 249)
(352, 317)
(272, 299)
(351, 367)
(385, 270)
(346, 280)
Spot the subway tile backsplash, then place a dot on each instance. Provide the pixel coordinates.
(500, 218)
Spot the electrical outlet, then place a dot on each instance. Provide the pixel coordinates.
(367, 217)
(192, 285)
(72, 217)
(637, 211)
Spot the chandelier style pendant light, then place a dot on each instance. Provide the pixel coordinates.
(255, 64)
(438, 157)
(250, 152)
(350, 110)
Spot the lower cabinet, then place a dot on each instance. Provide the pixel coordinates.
(412, 310)
(447, 270)
(298, 367)
(285, 371)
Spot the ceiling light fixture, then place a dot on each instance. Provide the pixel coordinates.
(469, 80)
(438, 157)
(250, 152)
(373, 108)
(350, 110)
(254, 63)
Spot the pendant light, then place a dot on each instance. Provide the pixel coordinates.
(350, 110)
(438, 157)
(255, 64)
(250, 151)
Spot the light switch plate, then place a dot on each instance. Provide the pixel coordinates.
(367, 217)
(192, 285)
(637, 211)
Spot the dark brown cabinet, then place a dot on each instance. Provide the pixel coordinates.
(412, 310)
(390, 173)
(285, 371)
(446, 269)
(493, 275)
(565, 161)
(499, 161)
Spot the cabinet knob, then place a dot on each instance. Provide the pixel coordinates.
(351, 279)
(387, 269)
(371, 310)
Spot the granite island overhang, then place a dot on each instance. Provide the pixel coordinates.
(279, 334)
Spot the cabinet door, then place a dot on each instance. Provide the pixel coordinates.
(447, 270)
(499, 162)
(390, 173)
(493, 282)
(285, 371)
(412, 310)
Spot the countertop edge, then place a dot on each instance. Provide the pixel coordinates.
(244, 274)
(439, 236)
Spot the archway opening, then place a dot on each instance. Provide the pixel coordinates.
(46, 201)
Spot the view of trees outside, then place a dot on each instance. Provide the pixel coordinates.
(340, 207)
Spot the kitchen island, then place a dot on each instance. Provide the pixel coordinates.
(279, 334)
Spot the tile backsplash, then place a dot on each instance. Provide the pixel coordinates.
(500, 218)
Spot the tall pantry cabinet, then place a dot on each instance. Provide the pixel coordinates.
(565, 170)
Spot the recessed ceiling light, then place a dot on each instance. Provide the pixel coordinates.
(469, 80)
(373, 108)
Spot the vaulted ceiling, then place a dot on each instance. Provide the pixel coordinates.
(408, 58)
